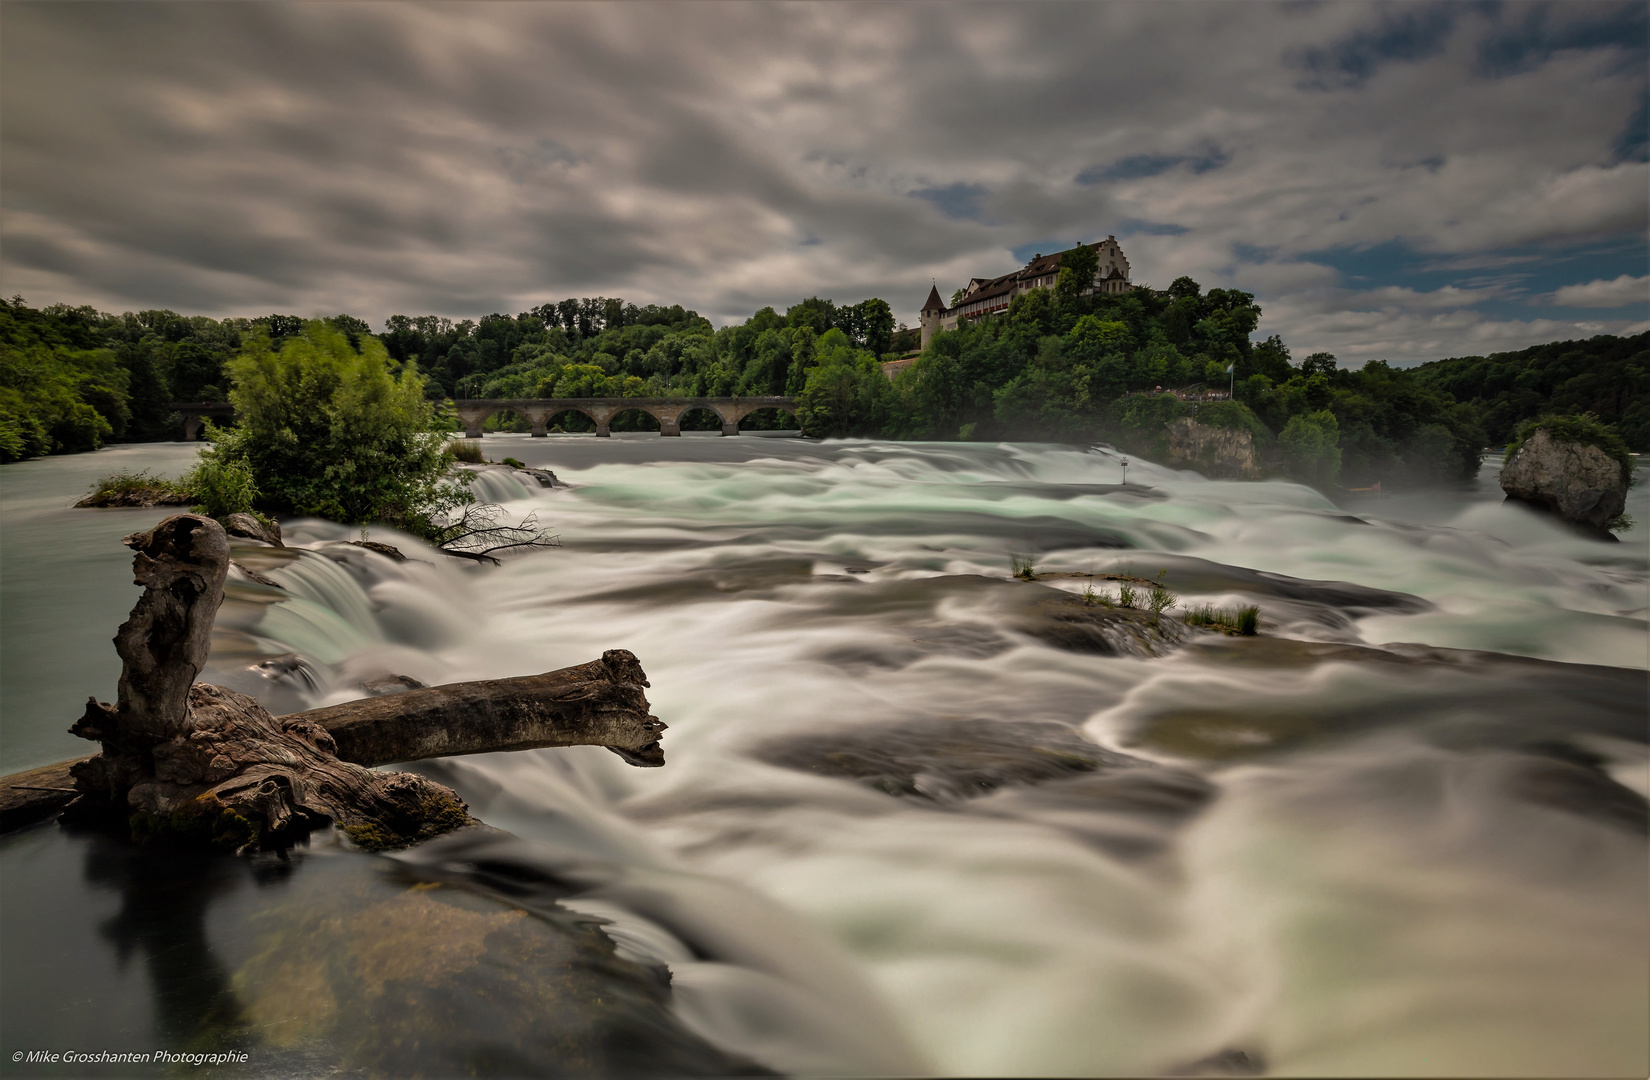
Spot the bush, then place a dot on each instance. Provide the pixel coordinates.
(222, 485)
(328, 430)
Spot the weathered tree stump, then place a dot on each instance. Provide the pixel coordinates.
(208, 765)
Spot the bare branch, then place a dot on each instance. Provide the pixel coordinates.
(480, 530)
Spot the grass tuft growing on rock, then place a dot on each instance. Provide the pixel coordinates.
(1159, 599)
(136, 483)
(1244, 621)
(1583, 428)
(467, 451)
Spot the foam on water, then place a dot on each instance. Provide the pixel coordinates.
(1365, 878)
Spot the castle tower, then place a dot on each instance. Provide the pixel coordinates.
(932, 309)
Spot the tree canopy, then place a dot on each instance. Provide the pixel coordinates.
(1056, 365)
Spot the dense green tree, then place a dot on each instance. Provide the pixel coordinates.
(1077, 269)
(327, 429)
(1607, 376)
(1311, 447)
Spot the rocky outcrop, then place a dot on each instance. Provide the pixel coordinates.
(1578, 482)
(136, 497)
(245, 525)
(1214, 451)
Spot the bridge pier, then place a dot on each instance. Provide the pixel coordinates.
(195, 414)
(473, 413)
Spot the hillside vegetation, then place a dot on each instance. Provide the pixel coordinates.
(1055, 367)
(1606, 376)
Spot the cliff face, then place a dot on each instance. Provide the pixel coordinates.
(1577, 482)
(1215, 452)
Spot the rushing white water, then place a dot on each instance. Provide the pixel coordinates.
(1334, 861)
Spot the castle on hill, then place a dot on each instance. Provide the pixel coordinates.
(987, 296)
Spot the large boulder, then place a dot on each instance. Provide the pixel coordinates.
(1213, 451)
(1576, 481)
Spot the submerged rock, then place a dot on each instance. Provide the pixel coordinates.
(391, 684)
(946, 762)
(354, 965)
(1058, 618)
(1579, 483)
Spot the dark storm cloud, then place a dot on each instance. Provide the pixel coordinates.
(1414, 34)
(1145, 166)
(956, 200)
(463, 159)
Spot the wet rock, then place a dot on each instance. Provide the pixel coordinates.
(253, 575)
(1213, 451)
(1225, 1063)
(1459, 699)
(290, 668)
(544, 477)
(356, 966)
(389, 551)
(391, 684)
(35, 795)
(250, 527)
(1065, 621)
(1579, 483)
(1127, 813)
(137, 497)
(1580, 787)
(948, 761)
(1188, 574)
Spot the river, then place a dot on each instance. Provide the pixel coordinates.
(907, 825)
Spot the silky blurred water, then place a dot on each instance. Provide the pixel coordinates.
(1326, 860)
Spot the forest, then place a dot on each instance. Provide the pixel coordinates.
(1058, 366)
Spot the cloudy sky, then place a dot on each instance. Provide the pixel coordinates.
(1403, 181)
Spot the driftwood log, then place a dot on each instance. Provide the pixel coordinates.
(207, 764)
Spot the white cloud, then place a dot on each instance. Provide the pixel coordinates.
(1618, 292)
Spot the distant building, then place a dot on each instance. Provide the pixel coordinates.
(988, 296)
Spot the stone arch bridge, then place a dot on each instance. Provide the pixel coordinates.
(538, 411)
(668, 411)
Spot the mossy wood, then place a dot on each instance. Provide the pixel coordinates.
(207, 765)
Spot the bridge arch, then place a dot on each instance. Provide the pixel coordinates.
(769, 418)
(631, 418)
(570, 419)
(668, 412)
(702, 416)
